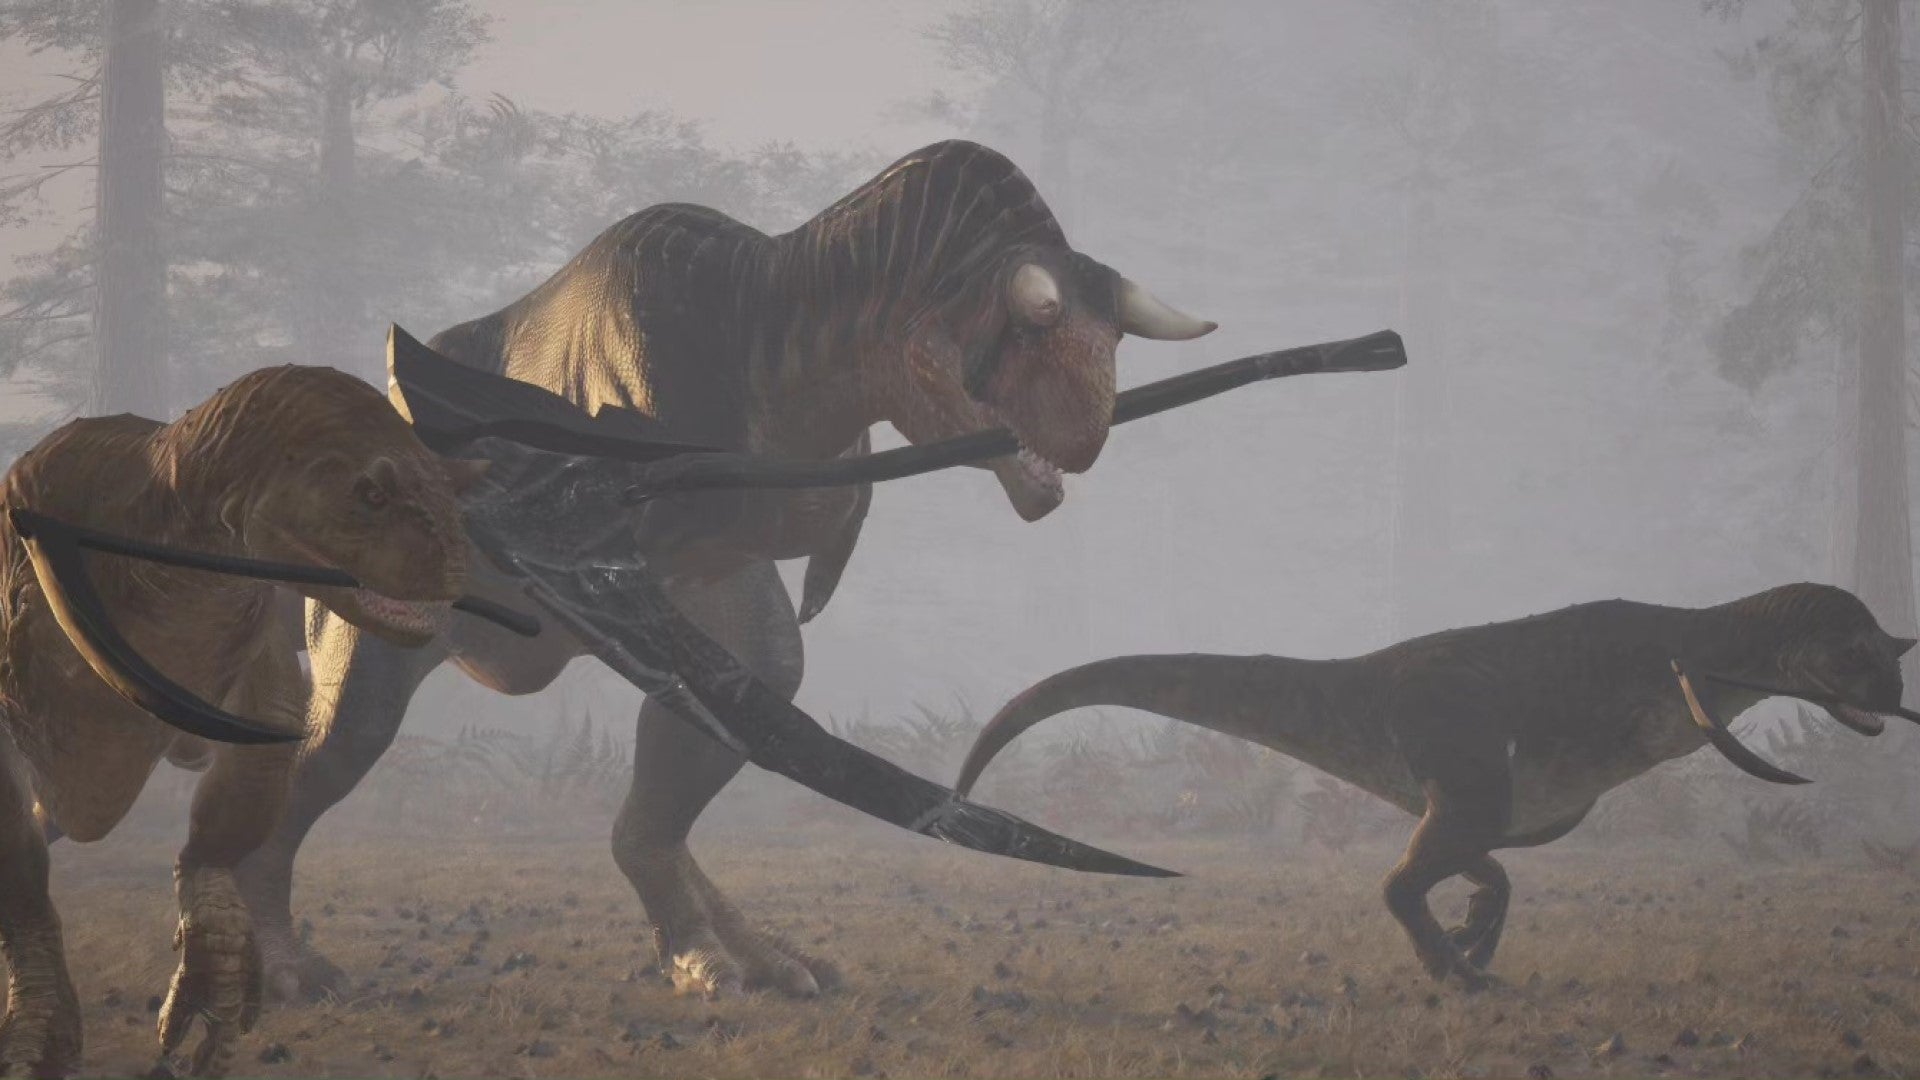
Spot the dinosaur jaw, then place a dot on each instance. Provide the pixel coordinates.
(407, 623)
(1034, 484)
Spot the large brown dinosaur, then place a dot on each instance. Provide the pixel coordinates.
(941, 296)
(297, 465)
(1504, 735)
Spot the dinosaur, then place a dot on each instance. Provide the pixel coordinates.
(289, 463)
(941, 296)
(1505, 735)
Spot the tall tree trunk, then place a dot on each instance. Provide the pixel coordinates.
(1883, 562)
(129, 311)
(332, 332)
(1423, 508)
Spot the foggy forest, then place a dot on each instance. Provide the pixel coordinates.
(1651, 261)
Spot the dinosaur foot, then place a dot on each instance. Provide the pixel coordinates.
(1476, 942)
(40, 1036)
(219, 980)
(298, 973)
(728, 958)
(1446, 963)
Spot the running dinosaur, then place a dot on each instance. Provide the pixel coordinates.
(1504, 735)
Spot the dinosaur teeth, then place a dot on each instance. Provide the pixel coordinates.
(400, 614)
(1040, 471)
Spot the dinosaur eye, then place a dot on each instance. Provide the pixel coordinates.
(370, 494)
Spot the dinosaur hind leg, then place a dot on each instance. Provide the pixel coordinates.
(700, 939)
(40, 1035)
(235, 807)
(1453, 837)
(1486, 912)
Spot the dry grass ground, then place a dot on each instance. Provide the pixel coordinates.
(528, 958)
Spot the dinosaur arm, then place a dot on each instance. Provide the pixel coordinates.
(825, 567)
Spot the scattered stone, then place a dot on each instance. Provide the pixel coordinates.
(1745, 1042)
(538, 1048)
(275, 1054)
(381, 1053)
(1313, 959)
(1613, 1047)
(1687, 1037)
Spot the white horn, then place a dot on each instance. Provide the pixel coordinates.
(1145, 315)
(1034, 295)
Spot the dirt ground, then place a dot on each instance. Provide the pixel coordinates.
(529, 959)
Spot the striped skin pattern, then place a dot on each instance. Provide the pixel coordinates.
(940, 296)
(1503, 735)
(887, 306)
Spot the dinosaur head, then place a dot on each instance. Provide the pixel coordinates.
(333, 476)
(1836, 647)
(1035, 354)
(1000, 322)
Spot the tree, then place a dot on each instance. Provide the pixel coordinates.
(1830, 277)
(129, 307)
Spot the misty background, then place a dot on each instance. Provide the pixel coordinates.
(1625, 244)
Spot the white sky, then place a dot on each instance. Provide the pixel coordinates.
(818, 72)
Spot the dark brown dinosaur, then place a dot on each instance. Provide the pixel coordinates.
(941, 296)
(1504, 735)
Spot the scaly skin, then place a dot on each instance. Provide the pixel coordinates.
(287, 464)
(1497, 736)
(940, 296)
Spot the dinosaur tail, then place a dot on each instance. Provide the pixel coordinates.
(1219, 693)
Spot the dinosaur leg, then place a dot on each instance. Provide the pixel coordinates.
(235, 807)
(1454, 836)
(361, 687)
(41, 1032)
(1486, 912)
(700, 939)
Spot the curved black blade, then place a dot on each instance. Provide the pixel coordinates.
(1724, 741)
(624, 618)
(1816, 697)
(1379, 351)
(61, 567)
(452, 405)
(27, 523)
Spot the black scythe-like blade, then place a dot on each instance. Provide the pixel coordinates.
(57, 550)
(623, 617)
(1726, 742)
(61, 567)
(452, 405)
(1816, 697)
